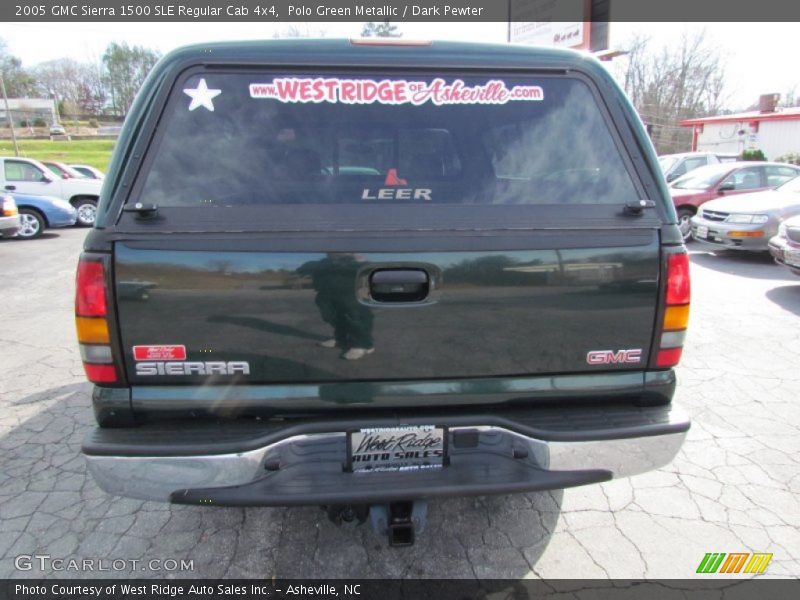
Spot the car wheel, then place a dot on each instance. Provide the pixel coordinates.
(87, 212)
(31, 224)
(684, 217)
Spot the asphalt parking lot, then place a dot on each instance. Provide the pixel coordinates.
(735, 486)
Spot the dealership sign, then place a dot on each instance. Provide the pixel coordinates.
(565, 23)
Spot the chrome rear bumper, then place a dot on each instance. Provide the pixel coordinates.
(308, 468)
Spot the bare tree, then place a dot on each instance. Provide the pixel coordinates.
(790, 99)
(681, 81)
(78, 87)
(59, 79)
(93, 94)
(19, 82)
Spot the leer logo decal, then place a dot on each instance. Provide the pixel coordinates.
(397, 194)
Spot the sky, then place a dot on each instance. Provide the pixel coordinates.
(756, 55)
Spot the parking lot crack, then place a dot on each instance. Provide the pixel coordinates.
(589, 554)
(642, 555)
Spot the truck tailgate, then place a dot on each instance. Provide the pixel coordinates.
(484, 313)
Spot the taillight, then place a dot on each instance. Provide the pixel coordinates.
(100, 373)
(91, 321)
(678, 287)
(9, 207)
(90, 296)
(676, 312)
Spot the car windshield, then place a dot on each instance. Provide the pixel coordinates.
(666, 162)
(793, 185)
(702, 178)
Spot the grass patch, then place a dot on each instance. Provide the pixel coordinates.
(96, 153)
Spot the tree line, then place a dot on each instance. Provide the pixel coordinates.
(105, 86)
(681, 80)
(109, 85)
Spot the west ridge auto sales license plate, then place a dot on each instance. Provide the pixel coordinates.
(397, 448)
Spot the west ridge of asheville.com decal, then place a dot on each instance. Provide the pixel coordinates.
(397, 91)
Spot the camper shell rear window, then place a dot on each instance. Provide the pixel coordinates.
(265, 139)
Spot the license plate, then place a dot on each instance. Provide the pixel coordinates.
(397, 449)
(701, 231)
(792, 257)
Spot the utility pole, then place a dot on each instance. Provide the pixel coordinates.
(58, 113)
(9, 117)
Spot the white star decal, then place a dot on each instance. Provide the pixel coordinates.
(202, 96)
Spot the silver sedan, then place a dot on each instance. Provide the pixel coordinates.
(746, 221)
(785, 247)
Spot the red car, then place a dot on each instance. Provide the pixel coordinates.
(706, 183)
(61, 170)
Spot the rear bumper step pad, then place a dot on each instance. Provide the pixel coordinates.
(309, 486)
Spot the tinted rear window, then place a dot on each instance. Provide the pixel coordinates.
(233, 139)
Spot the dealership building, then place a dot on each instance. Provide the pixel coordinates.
(28, 110)
(772, 130)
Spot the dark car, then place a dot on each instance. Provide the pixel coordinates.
(725, 179)
(453, 269)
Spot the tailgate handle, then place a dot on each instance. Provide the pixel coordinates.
(399, 285)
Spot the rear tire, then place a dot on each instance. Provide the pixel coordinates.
(87, 212)
(684, 217)
(31, 224)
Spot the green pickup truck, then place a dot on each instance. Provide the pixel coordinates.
(365, 275)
